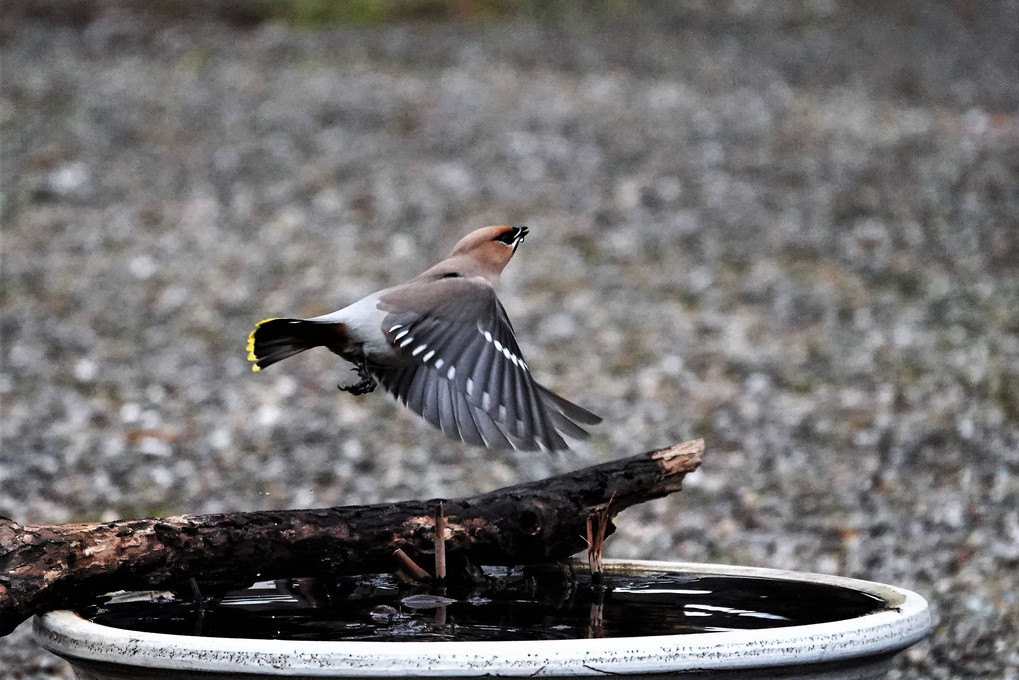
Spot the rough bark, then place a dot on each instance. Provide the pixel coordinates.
(59, 566)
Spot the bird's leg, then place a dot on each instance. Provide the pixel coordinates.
(366, 383)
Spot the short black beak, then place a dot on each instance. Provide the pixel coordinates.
(519, 233)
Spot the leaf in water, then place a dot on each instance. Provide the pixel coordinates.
(426, 601)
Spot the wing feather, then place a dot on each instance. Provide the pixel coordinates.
(447, 419)
(463, 371)
(463, 412)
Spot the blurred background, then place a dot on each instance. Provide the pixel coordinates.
(789, 228)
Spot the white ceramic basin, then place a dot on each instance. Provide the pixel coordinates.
(853, 648)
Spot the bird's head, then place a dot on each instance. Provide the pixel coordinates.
(491, 247)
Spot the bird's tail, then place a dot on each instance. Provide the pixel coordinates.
(274, 340)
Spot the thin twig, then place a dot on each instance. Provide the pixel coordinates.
(416, 572)
(597, 525)
(440, 544)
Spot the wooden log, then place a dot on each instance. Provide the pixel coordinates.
(63, 566)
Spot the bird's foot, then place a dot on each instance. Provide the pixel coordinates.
(365, 385)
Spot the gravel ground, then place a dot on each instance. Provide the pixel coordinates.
(792, 229)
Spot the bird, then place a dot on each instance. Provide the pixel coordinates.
(442, 345)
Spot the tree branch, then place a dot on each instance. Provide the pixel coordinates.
(59, 566)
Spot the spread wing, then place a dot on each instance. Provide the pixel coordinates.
(463, 371)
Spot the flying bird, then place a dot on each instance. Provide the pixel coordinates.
(443, 345)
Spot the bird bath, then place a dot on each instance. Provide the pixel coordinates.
(648, 618)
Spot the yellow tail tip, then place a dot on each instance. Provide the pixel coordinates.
(250, 348)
